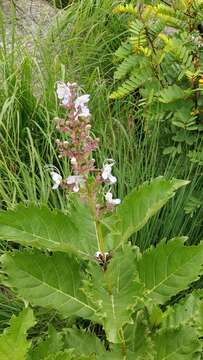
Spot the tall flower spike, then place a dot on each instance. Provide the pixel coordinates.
(79, 147)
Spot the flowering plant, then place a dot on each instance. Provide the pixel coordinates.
(79, 147)
(83, 264)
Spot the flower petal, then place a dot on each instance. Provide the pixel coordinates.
(108, 197)
(110, 200)
(56, 177)
(82, 100)
(71, 180)
(62, 90)
(55, 186)
(116, 201)
(112, 179)
(84, 112)
(65, 100)
(106, 171)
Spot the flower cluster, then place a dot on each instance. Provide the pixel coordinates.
(79, 147)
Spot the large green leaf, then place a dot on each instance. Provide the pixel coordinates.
(177, 344)
(76, 232)
(115, 291)
(13, 342)
(139, 206)
(169, 268)
(50, 281)
(46, 229)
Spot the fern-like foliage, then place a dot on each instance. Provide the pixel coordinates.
(161, 58)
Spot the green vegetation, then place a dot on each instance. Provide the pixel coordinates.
(162, 59)
(123, 294)
(60, 3)
(142, 66)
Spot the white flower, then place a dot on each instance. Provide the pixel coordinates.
(106, 172)
(110, 200)
(81, 106)
(82, 100)
(57, 178)
(63, 92)
(76, 180)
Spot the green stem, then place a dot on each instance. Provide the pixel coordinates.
(100, 236)
(92, 205)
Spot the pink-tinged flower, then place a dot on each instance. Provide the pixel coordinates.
(57, 178)
(81, 106)
(110, 200)
(106, 172)
(62, 90)
(76, 180)
(64, 93)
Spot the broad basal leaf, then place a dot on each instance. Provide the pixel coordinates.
(115, 291)
(177, 344)
(13, 342)
(46, 229)
(169, 268)
(50, 281)
(139, 206)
